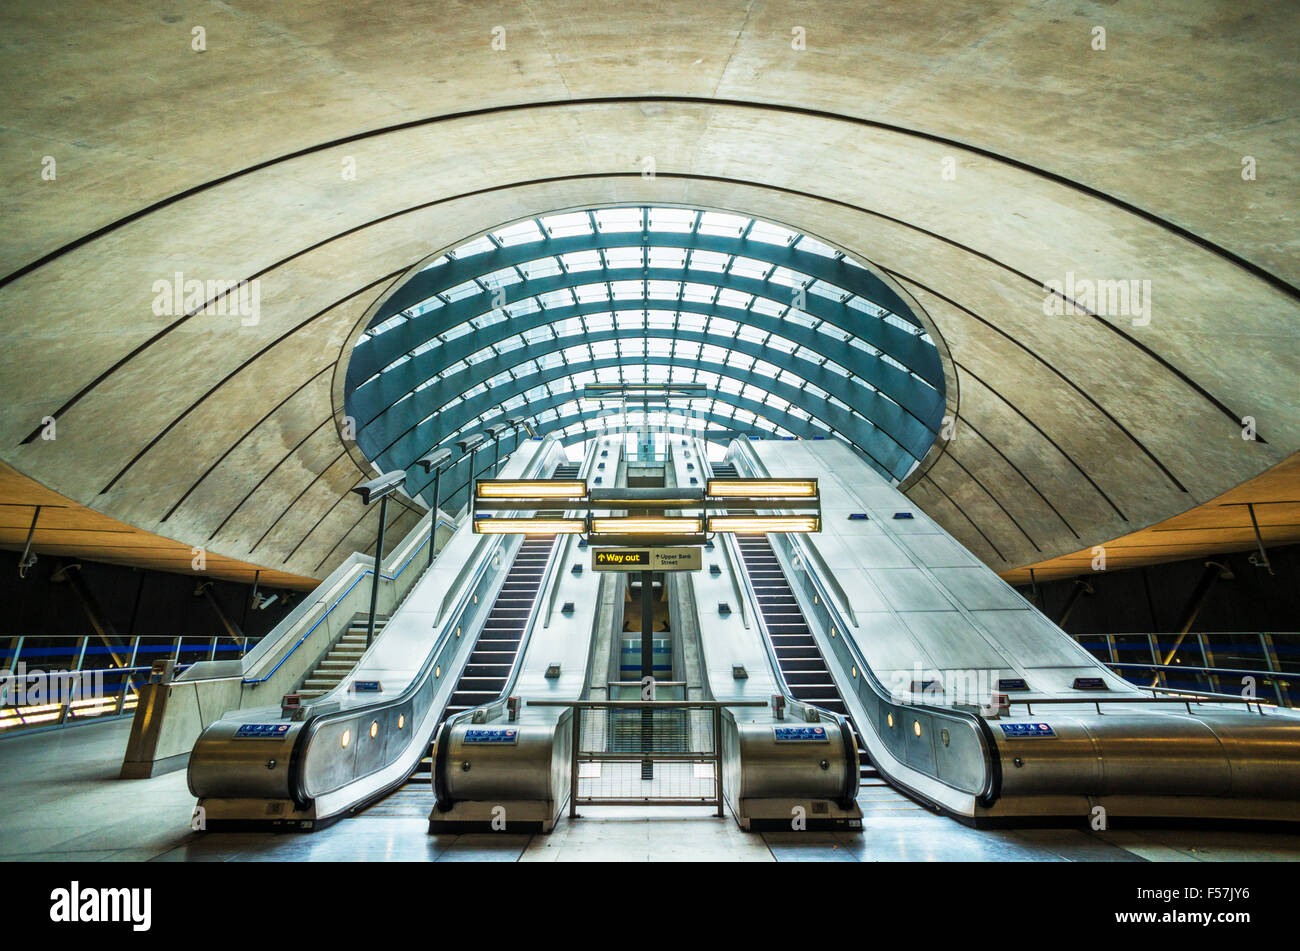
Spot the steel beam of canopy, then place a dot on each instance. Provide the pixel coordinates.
(731, 428)
(372, 354)
(792, 424)
(377, 393)
(904, 437)
(436, 280)
(897, 423)
(893, 459)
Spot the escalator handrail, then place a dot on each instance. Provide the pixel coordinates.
(317, 721)
(992, 759)
(548, 578)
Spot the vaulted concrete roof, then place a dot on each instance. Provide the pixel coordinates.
(972, 153)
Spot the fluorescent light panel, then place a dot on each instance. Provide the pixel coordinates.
(529, 526)
(531, 489)
(747, 524)
(762, 488)
(632, 525)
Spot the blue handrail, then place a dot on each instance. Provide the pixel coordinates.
(368, 572)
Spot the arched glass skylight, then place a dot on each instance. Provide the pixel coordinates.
(789, 336)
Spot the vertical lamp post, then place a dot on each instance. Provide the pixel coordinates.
(378, 488)
(434, 462)
(496, 432)
(470, 445)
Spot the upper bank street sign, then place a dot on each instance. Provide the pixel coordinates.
(646, 559)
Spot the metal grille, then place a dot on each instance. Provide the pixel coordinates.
(630, 752)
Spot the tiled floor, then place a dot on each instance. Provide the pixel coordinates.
(61, 800)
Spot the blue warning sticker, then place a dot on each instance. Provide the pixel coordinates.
(261, 731)
(1017, 731)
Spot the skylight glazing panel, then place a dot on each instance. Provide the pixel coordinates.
(723, 225)
(461, 291)
(542, 267)
(617, 220)
(771, 234)
(710, 261)
(479, 245)
(675, 220)
(625, 258)
(523, 232)
(578, 261)
(749, 268)
(567, 225)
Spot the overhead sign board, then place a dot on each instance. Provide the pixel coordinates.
(646, 559)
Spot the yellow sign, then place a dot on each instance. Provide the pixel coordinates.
(646, 559)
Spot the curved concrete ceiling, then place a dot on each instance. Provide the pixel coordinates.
(984, 157)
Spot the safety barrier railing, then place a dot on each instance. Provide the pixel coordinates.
(646, 756)
(55, 680)
(356, 580)
(1156, 666)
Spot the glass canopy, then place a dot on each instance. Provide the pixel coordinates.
(789, 336)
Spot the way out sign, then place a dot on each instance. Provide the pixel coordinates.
(646, 559)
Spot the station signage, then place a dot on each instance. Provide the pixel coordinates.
(261, 731)
(800, 734)
(646, 559)
(1025, 731)
(508, 735)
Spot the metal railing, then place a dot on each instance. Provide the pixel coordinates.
(646, 752)
(61, 675)
(1150, 671)
(366, 573)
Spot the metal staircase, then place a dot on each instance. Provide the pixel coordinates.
(340, 659)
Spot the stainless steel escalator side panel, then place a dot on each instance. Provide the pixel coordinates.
(524, 785)
(416, 662)
(220, 765)
(1176, 760)
(770, 769)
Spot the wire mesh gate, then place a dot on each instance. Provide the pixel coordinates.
(646, 752)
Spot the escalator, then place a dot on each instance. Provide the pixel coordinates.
(804, 670)
(487, 672)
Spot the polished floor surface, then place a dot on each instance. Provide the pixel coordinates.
(61, 800)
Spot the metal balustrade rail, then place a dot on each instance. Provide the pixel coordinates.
(61, 675)
(1151, 672)
(652, 762)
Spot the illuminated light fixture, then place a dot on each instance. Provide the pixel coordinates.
(762, 488)
(529, 526)
(374, 729)
(346, 738)
(916, 727)
(889, 718)
(754, 524)
(633, 525)
(401, 721)
(516, 489)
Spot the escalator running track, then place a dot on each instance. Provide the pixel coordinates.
(800, 659)
(488, 668)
